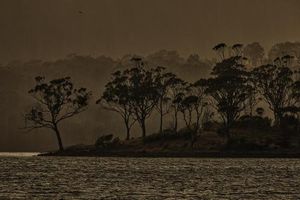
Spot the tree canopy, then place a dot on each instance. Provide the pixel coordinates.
(56, 101)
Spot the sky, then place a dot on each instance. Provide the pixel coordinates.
(35, 29)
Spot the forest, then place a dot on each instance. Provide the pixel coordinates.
(248, 102)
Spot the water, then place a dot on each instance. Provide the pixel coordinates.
(27, 177)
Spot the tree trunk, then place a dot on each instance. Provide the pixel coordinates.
(198, 125)
(161, 116)
(185, 120)
(278, 117)
(128, 127)
(190, 119)
(143, 126)
(227, 132)
(227, 126)
(251, 105)
(197, 121)
(161, 123)
(60, 145)
(175, 121)
(127, 132)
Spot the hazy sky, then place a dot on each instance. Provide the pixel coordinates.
(51, 29)
(34, 29)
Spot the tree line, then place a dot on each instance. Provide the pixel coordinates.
(136, 93)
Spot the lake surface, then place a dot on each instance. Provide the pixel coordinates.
(27, 177)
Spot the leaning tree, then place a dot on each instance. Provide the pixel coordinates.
(56, 101)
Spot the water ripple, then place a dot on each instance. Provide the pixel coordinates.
(148, 178)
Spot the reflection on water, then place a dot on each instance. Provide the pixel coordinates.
(18, 154)
(150, 178)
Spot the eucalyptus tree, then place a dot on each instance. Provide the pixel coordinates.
(199, 102)
(229, 89)
(191, 104)
(177, 95)
(164, 83)
(296, 95)
(116, 97)
(143, 92)
(56, 100)
(274, 83)
(186, 108)
(294, 107)
(237, 49)
(220, 49)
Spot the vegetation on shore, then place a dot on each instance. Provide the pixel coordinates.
(222, 109)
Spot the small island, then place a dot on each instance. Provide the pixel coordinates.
(247, 107)
(257, 140)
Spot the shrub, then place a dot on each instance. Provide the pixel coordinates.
(116, 141)
(211, 126)
(242, 144)
(104, 140)
(253, 122)
(289, 123)
(169, 134)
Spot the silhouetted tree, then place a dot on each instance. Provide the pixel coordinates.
(116, 97)
(274, 83)
(57, 100)
(164, 82)
(177, 95)
(197, 90)
(186, 108)
(143, 92)
(296, 99)
(191, 104)
(296, 92)
(237, 49)
(229, 89)
(220, 49)
(252, 99)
